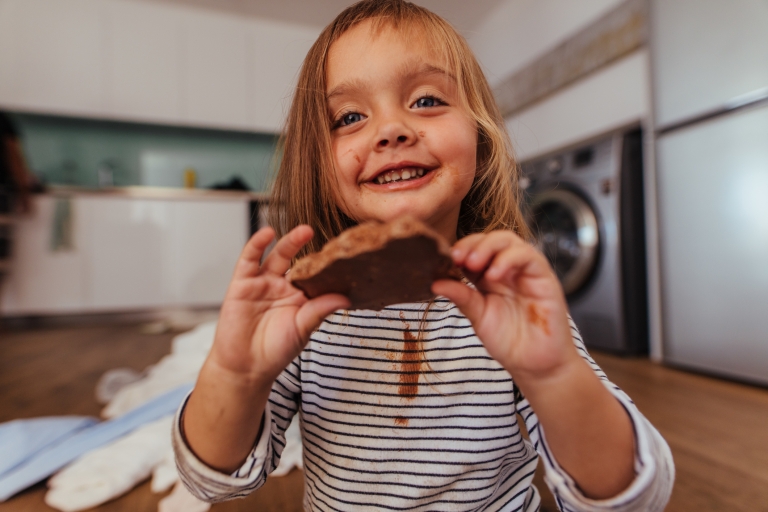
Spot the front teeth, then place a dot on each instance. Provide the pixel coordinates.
(399, 174)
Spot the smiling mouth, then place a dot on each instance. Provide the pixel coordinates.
(404, 174)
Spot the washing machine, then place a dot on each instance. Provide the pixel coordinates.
(585, 207)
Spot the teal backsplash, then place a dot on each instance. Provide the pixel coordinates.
(70, 151)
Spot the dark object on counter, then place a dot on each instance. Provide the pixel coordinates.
(16, 181)
(5, 242)
(376, 265)
(7, 181)
(234, 183)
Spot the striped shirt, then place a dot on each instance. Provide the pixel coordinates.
(404, 410)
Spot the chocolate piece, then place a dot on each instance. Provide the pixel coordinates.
(376, 264)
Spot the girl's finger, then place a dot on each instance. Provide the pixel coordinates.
(250, 258)
(312, 312)
(279, 260)
(470, 301)
(464, 246)
(515, 259)
(483, 253)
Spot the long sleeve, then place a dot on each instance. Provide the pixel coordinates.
(654, 467)
(213, 486)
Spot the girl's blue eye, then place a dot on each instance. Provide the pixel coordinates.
(352, 117)
(427, 101)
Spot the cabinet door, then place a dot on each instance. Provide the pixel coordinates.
(144, 61)
(129, 251)
(8, 51)
(705, 53)
(713, 181)
(46, 278)
(207, 239)
(53, 56)
(276, 52)
(216, 88)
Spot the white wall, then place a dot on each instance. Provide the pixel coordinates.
(517, 32)
(613, 97)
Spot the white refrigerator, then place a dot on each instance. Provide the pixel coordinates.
(710, 87)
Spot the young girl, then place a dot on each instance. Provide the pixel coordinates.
(413, 407)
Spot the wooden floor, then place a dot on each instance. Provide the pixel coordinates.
(718, 430)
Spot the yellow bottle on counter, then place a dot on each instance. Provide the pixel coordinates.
(190, 178)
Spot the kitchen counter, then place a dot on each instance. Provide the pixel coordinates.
(142, 192)
(125, 249)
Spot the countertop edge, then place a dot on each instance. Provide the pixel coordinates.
(139, 192)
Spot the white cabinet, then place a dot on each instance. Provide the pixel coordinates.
(713, 181)
(216, 86)
(42, 279)
(276, 52)
(127, 244)
(705, 53)
(128, 253)
(144, 61)
(53, 58)
(207, 240)
(147, 61)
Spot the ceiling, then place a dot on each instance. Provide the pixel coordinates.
(465, 15)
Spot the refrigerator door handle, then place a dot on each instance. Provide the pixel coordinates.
(750, 99)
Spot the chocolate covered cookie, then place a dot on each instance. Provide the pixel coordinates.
(377, 264)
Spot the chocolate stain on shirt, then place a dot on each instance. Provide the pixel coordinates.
(410, 367)
(401, 421)
(537, 318)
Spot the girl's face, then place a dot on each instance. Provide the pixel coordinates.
(402, 143)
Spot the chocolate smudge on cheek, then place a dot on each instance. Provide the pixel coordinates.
(537, 318)
(422, 133)
(354, 155)
(410, 367)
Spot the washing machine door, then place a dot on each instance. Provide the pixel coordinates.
(567, 233)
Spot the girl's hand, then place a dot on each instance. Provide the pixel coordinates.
(519, 312)
(264, 321)
(518, 309)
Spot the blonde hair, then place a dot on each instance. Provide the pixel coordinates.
(303, 191)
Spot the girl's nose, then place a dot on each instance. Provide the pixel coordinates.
(385, 142)
(394, 133)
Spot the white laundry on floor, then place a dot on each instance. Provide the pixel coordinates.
(57, 455)
(180, 500)
(164, 475)
(113, 381)
(20, 440)
(111, 470)
(182, 365)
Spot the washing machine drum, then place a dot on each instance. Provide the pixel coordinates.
(566, 231)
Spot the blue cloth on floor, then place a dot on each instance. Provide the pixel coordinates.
(20, 440)
(46, 462)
